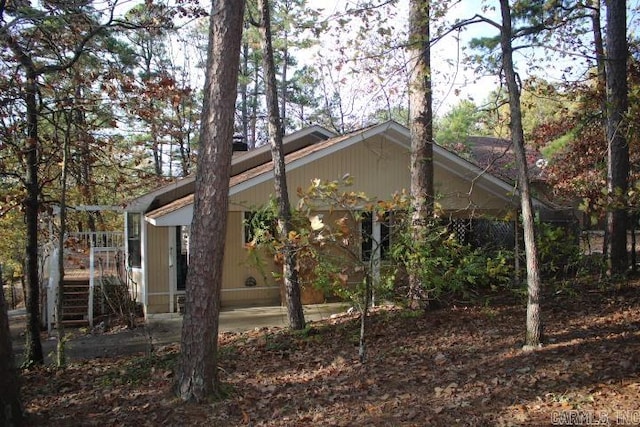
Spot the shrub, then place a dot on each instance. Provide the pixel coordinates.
(445, 267)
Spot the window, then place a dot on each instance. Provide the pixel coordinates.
(182, 255)
(366, 231)
(385, 235)
(376, 235)
(133, 239)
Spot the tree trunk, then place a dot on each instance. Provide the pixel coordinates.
(284, 84)
(421, 128)
(197, 375)
(253, 126)
(289, 271)
(601, 84)
(33, 347)
(617, 147)
(244, 87)
(364, 315)
(533, 336)
(60, 350)
(10, 407)
(634, 254)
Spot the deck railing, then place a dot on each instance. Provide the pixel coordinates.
(87, 254)
(98, 239)
(105, 263)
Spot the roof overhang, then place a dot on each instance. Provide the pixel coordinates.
(180, 212)
(176, 213)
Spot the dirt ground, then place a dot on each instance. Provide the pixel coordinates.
(82, 342)
(454, 366)
(115, 340)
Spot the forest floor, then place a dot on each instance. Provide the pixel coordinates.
(452, 366)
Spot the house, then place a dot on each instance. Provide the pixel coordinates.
(377, 157)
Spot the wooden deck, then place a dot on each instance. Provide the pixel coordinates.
(77, 274)
(84, 274)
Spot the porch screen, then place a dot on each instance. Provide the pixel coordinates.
(133, 239)
(375, 235)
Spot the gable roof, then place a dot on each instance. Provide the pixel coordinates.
(392, 131)
(290, 143)
(240, 163)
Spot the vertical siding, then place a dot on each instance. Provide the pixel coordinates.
(379, 168)
(157, 253)
(238, 267)
(464, 196)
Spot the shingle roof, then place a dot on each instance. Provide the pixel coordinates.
(252, 173)
(496, 155)
(493, 155)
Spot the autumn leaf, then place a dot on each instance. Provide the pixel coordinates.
(316, 222)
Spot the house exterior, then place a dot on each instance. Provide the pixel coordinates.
(377, 157)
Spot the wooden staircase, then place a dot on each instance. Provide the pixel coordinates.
(85, 255)
(75, 311)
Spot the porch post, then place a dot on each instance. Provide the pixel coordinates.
(92, 273)
(375, 255)
(52, 286)
(173, 286)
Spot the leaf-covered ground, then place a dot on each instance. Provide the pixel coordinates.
(455, 366)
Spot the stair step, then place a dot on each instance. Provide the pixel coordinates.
(74, 307)
(77, 322)
(74, 316)
(75, 312)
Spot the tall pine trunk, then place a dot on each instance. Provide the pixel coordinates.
(198, 375)
(244, 97)
(617, 147)
(289, 271)
(533, 337)
(33, 346)
(601, 83)
(421, 128)
(10, 406)
(61, 358)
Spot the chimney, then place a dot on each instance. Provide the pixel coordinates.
(239, 144)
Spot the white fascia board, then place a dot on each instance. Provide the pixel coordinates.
(181, 216)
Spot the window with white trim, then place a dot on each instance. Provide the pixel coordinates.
(376, 235)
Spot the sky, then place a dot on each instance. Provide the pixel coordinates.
(453, 82)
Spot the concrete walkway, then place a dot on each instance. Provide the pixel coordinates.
(159, 330)
(167, 327)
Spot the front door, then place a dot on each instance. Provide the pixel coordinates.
(182, 256)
